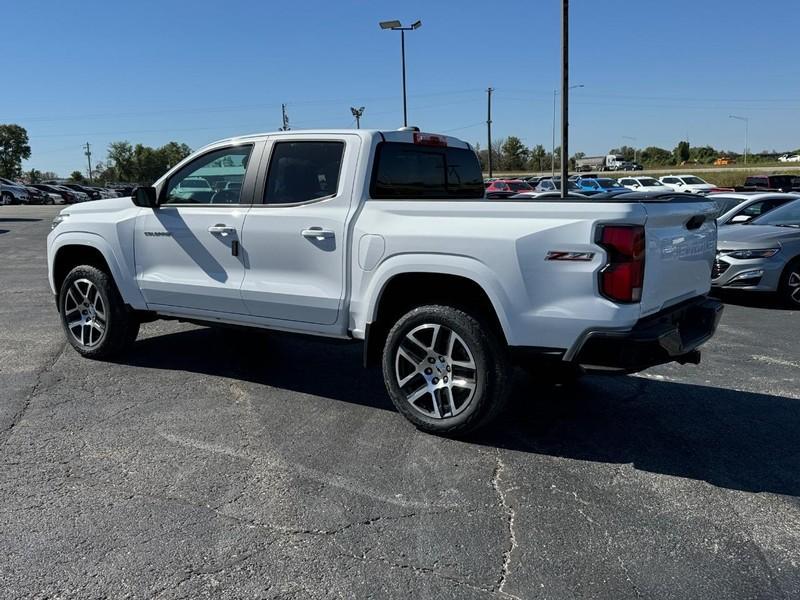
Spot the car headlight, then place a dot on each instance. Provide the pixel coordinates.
(745, 254)
(58, 219)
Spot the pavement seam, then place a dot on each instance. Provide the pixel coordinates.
(8, 432)
(510, 516)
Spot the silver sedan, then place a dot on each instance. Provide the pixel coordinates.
(762, 255)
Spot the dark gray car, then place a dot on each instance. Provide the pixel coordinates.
(762, 255)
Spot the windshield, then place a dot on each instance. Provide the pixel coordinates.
(693, 181)
(786, 215)
(519, 186)
(648, 182)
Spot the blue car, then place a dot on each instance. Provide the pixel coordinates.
(601, 184)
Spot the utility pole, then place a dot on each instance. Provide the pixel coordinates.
(357, 112)
(88, 154)
(553, 153)
(564, 97)
(489, 126)
(285, 126)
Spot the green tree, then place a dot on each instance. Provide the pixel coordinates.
(514, 154)
(537, 158)
(140, 163)
(173, 153)
(14, 148)
(120, 163)
(33, 176)
(655, 156)
(77, 177)
(681, 152)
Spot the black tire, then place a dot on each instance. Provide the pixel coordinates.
(790, 284)
(120, 325)
(477, 341)
(6, 199)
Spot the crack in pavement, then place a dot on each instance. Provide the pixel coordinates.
(6, 434)
(510, 517)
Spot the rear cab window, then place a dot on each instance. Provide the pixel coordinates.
(421, 172)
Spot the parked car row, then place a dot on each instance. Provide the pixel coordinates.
(53, 192)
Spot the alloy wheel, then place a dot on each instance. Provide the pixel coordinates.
(793, 283)
(85, 313)
(436, 371)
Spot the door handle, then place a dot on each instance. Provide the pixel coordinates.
(318, 233)
(222, 230)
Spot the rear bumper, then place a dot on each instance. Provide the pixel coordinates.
(673, 334)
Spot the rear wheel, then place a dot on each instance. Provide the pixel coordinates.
(95, 319)
(6, 199)
(446, 371)
(789, 288)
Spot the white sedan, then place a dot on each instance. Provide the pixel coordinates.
(687, 183)
(644, 184)
(790, 158)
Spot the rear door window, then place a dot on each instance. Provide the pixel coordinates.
(412, 171)
(303, 171)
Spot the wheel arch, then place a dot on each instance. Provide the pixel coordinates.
(69, 251)
(402, 288)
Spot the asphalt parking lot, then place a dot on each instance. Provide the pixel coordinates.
(216, 464)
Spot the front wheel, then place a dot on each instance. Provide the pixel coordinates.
(446, 371)
(789, 288)
(95, 319)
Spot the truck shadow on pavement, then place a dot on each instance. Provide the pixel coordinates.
(17, 220)
(731, 439)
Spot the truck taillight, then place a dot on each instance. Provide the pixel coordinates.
(622, 278)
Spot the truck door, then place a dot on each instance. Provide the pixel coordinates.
(187, 251)
(295, 235)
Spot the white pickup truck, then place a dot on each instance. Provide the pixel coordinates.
(386, 237)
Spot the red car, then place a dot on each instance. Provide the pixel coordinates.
(509, 185)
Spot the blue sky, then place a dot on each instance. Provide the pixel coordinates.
(154, 71)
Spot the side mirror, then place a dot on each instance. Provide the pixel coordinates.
(740, 219)
(145, 197)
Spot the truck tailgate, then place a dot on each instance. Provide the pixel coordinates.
(681, 242)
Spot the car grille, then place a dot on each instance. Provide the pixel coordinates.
(719, 268)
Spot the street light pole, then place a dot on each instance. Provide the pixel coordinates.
(553, 154)
(396, 26)
(564, 97)
(746, 134)
(357, 113)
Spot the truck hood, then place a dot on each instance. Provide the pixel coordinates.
(737, 237)
(107, 205)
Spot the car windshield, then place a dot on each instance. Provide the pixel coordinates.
(607, 183)
(519, 186)
(648, 182)
(693, 181)
(787, 215)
